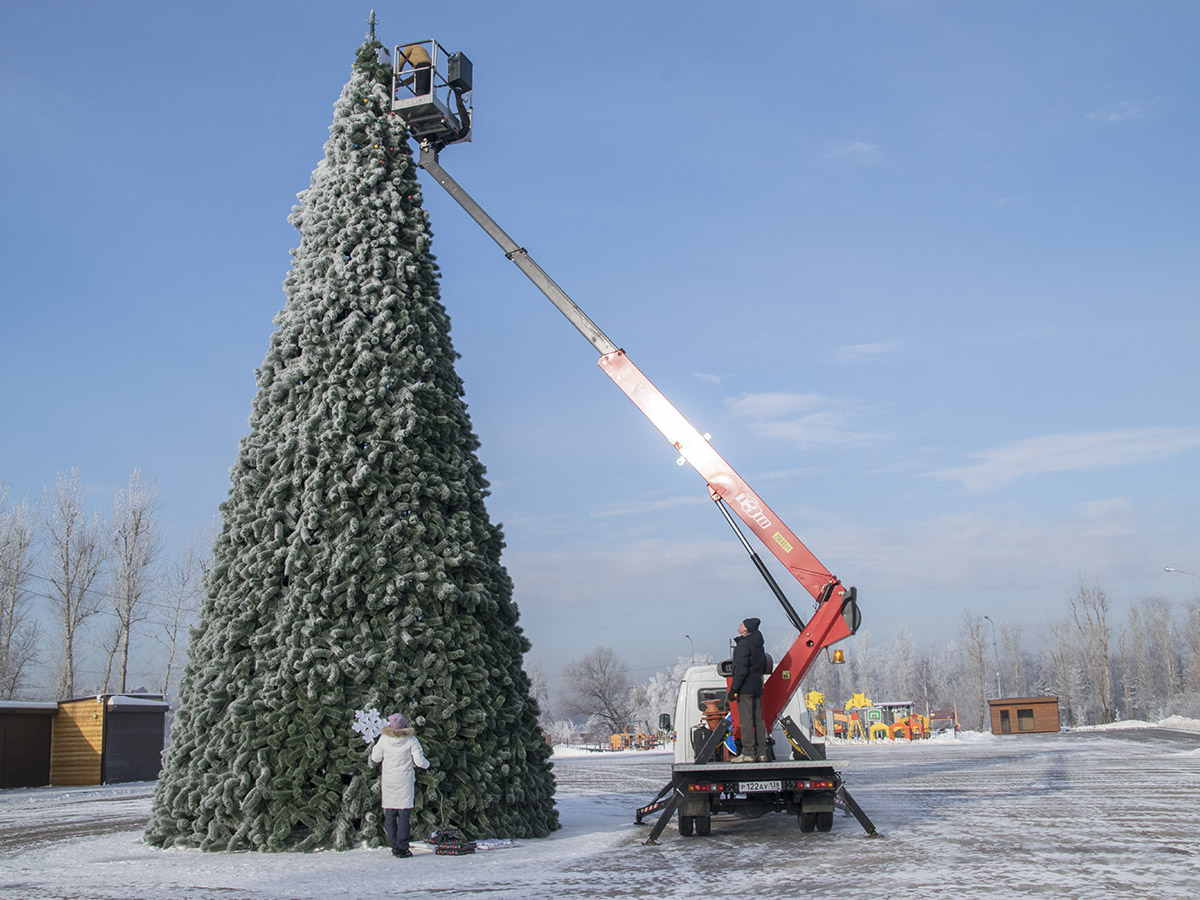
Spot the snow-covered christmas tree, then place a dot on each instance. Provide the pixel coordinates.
(356, 568)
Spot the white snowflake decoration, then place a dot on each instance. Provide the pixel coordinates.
(369, 724)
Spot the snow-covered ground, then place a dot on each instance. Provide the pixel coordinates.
(1103, 813)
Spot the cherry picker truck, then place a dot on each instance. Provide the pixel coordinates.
(431, 92)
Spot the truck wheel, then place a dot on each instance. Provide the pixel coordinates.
(687, 824)
(824, 821)
(703, 825)
(808, 822)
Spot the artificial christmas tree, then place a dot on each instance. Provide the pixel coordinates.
(356, 567)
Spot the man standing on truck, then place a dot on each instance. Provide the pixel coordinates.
(749, 664)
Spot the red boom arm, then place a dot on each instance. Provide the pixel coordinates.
(827, 625)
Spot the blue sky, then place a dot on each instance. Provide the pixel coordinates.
(927, 272)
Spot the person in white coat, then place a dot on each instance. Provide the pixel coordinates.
(401, 754)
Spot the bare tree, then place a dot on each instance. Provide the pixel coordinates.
(136, 545)
(76, 560)
(19, 633)
(183, 592)
(975, 645)
(110, 643)
(1088, 606)
(598, 685)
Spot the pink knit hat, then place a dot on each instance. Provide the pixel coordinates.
(397, 721)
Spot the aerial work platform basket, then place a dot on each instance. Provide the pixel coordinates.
(431, 92)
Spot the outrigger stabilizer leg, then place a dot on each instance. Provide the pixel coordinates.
(798, 739)
(669, 805)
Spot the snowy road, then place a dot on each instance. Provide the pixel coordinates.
(1101, 814)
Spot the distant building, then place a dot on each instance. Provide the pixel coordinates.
(25, 730)
(1024, 715)
(108, 738)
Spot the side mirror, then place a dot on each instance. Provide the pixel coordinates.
(664, 722)
(850, 612)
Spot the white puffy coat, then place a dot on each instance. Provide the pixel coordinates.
(401, 753)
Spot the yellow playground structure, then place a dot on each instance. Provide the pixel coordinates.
(860, 718)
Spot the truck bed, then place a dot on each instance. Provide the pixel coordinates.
(777, 768)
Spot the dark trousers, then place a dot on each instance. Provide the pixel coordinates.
(397, 828)
(754, 732)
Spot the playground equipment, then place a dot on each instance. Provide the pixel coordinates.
(861, 718)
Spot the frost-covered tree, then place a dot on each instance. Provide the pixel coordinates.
(1010, 640)
(900, 664)
(658, 695)
(135, 547)
(862, 666)
(356, 566)
(1191, 639)
(19, 633)
(1089, 607)
(973, 640)
(74, 565)
(183, 591)
(597, 684)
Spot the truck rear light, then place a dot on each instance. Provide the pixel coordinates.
(814, 785)
(706, 788)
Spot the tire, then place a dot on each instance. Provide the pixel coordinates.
(824, 821)
(687, 825)
(703, 825)
(808, 822)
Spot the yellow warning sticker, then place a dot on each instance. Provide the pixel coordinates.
(782, 542)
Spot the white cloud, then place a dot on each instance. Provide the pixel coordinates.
(856, 153)
(707, 378)
(775, 404)
(968, 559)
(804, 420)
(1071, 453)
(639, 509)
(1121, 111)
(854, 352)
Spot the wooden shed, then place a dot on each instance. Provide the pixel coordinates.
(108, 738)
(25, 730)
(1024, 715)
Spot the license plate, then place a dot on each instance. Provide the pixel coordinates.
(753, 786)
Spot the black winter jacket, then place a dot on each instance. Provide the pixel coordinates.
(749, 663)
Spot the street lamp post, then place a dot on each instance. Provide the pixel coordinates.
(996, 651)
(693, 643)
(1180, 571)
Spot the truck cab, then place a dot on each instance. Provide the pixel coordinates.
(702, 702)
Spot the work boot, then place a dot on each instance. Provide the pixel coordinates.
(762, 758)
(402, 854)
(742, 759)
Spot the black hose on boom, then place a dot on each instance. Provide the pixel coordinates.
(788, 609)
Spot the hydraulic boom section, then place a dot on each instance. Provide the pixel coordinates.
(416, 98)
